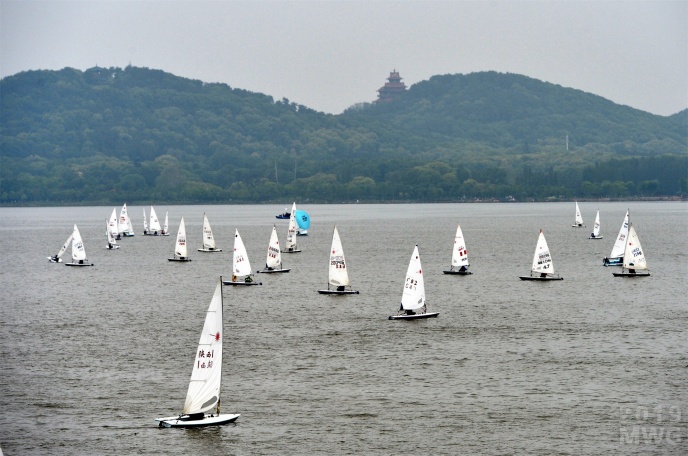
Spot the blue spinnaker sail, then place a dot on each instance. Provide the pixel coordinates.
(302, 219)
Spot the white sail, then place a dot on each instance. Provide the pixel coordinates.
(338, 274)
(542, 260)
(112, 242)
(414, 287)
(125, 226)
(634, 258)
(620, 244)
(596, 228)
(240, 264)
(208, 239)
(291, 231)
(165, 227)
(154, 223)
(113, 228)
(579, 217)
(180, 249)
(64, 247)
(204, 388)
(78, 250)
(459, 254)
(274, 258)
(145, 222)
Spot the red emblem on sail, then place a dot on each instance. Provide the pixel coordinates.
(217, 336)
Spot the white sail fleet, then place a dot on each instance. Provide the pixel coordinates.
(202, 405)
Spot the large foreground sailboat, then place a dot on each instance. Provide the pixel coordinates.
(616, 257)
(634, 263)
(338, 275)
(273, 262)
(413, 305)
(203, 395)
(459, 261)
(543, 267)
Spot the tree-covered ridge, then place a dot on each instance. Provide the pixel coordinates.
(142, 135)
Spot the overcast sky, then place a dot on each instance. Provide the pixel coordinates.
(328, 55)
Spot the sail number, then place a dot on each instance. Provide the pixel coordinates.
(410, 283)
(208, 362)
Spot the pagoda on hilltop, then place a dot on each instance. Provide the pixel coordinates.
(392, 88)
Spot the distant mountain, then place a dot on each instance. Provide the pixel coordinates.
(136, 134)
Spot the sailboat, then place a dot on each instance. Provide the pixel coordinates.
(543, 267)
(165, 227)
(273, 263)
(459, 261)
(78, 250)
(579, 218)
(413, 305)
(241, 267)
(634, 263)
(617, 255)
(284, 215)
(180, 249)
(112, 242)
(291, 246)
(338, 275)
(145, 223)
(125, 227)
(203, 395)
(154, 228)
(113, 225)
(596, 229)
(57, 258)
(208, 239)
(303, 221)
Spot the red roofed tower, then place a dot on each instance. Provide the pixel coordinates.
(392, 89)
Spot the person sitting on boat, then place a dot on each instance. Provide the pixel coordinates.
(410, 312)
(55, 259)
(463, 269)
(248, 279)
(543, 274)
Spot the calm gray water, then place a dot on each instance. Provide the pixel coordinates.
(588, 365)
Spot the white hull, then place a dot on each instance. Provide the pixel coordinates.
(229, 282)
(291, 251)
(183, 260)
(210, 250)
(595, 237)
(631, 274)
(208, 420)
(52, 260)
(414, 317)
(337, 292)
(114, 247)
(78, 264)
(456, 272)
(542, 279)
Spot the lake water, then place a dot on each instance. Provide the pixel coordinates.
(590, 365)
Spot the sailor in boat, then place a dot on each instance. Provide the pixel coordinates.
(55, 259)
(268, 268)
(340, 288)
(248, 279)
(234, 278)
(110, 245)
(410, 312)
(543, 274)
(81, 261)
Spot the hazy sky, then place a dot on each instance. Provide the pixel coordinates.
(328, 55)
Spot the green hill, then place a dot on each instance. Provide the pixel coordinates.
(142, 135)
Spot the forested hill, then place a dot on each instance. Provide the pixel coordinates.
(142, 135)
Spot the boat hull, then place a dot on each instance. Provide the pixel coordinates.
(210, 250)
(242, 283)
(53, 260)
(181, 260)
(458, 272)
(291, 251)
(577, 226)
(336, 292)
(414, 317)
(631, 274)
(79, 264)
(595, 237)
(208, 420)
(541, 279)
(612, 261)
(273, 271)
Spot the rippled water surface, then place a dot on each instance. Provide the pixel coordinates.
(89, 357)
